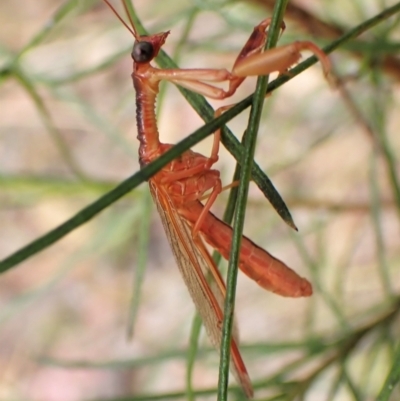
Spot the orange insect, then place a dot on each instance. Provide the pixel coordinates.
(178, 187)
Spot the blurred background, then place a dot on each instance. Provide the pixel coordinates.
(68, 135)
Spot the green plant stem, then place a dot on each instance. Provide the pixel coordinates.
(392, 379)
(192, 355)
(56, 136)
(143, 240)
(245, 175)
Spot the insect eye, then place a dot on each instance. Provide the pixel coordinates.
(142, 52)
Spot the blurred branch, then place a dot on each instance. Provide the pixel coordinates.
(333, 349)
(343, 348)
(329, 31)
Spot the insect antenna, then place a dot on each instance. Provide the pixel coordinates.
(137, 36)
(131, 28)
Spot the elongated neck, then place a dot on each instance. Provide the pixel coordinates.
(148, 135)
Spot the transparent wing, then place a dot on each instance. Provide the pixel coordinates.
(194, 262)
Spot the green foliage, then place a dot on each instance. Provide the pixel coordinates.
(68, 153)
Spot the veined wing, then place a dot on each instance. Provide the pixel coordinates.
(194, 262)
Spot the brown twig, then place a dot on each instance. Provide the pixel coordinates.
(316, 27)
